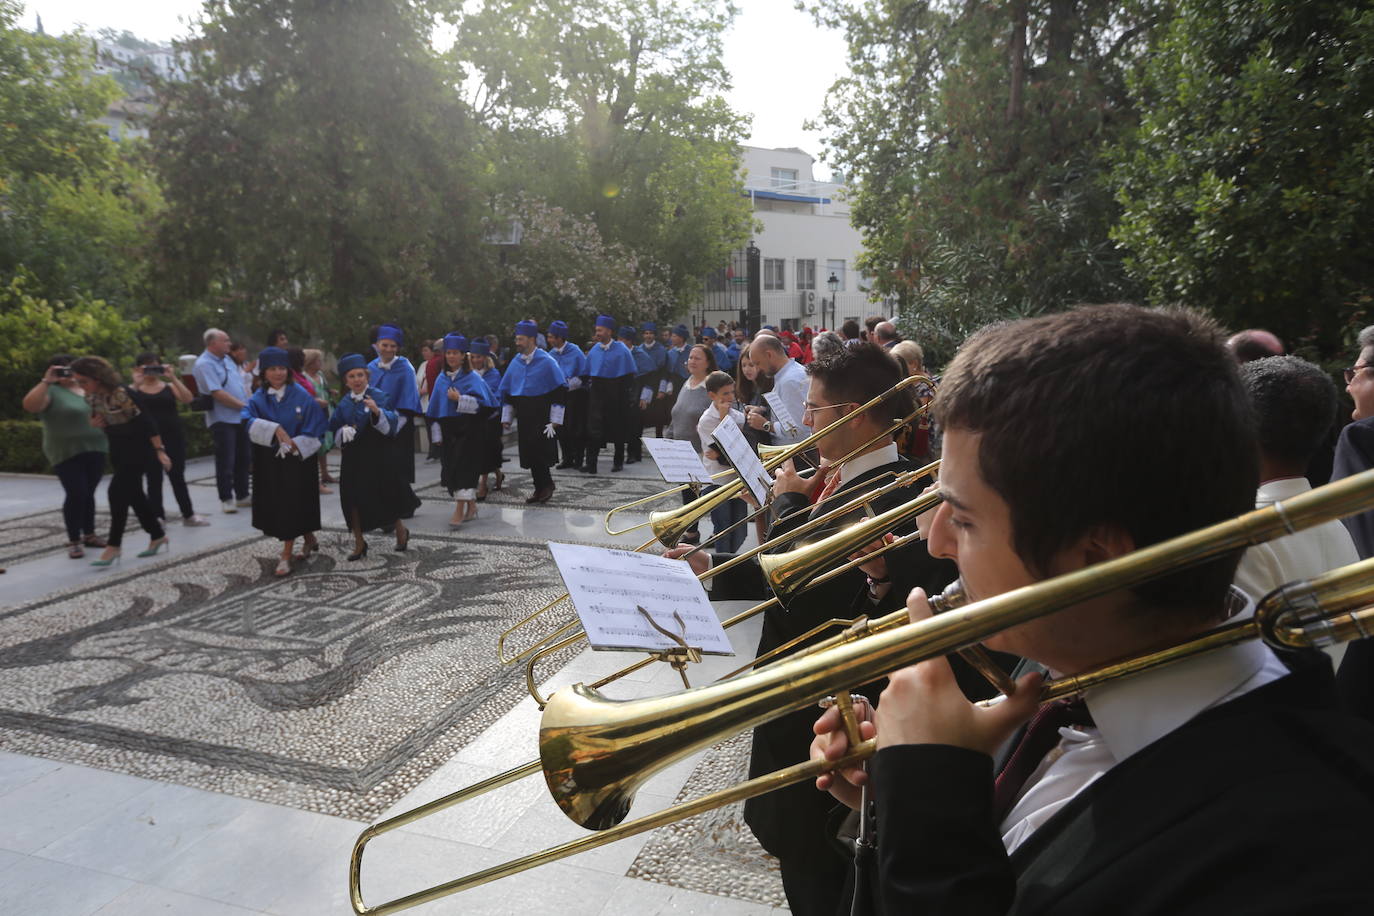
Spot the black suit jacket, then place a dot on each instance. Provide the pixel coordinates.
(1355, 453)
(788, 821)
(1260, 805)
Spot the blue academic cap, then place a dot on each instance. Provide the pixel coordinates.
(273, 356)
(350, 361)
(626, 332)
(559, 327)
(527, 328)
(605, 321)
(390, 332)
(648, 326)
(681, 331)
(480, 347)
(456, 342)
(708, 331)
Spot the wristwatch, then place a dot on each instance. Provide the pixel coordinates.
(768, 426)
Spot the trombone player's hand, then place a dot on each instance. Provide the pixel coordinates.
(831, 743)
(699, 561)
(787, 480)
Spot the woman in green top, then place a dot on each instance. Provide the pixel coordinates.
(75, 449)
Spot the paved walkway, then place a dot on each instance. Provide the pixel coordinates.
(80, 841)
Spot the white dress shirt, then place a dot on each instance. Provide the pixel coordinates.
(1131, 714)
(791, 384)
(1308, 553)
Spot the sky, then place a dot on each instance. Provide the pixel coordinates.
(781, 63)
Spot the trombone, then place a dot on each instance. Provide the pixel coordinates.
(595, 752)
(669, 526)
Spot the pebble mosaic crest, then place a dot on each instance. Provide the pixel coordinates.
(336, 689)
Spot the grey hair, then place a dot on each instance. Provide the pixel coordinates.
(211, 333)
(1366, 338)
(826, 343)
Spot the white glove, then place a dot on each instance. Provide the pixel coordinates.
(466, 404)
(283, 449)
(550, 430)
(346, 434)
(507, 415)
(574, 382)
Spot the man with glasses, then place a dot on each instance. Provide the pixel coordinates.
(855, 458)
(1355, 453)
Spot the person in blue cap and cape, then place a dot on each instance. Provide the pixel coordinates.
(394, 375)
(482, 362)
(285, 425)
(641, 394)
(573, 362)
(372, 492)
(723, 358)
(657, 411)
(611, 371)
(532, 394)
(463, 406)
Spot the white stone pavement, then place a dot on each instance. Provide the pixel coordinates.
(76, 841)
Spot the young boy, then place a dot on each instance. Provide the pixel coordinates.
(721, 389)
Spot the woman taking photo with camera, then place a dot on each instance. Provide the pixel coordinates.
(158, 391)
(74, 448)
(134, 444)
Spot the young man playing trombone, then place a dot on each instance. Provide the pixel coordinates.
(856, 458)
(1227, 782)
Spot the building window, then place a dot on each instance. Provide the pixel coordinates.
(773, 273)
(785, 178)
(806, 273)
(836, 269)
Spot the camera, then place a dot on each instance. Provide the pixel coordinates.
(63, 372)
(154, 370)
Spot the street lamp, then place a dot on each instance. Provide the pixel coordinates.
(834, 284)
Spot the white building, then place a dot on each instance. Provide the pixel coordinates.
(806, 239)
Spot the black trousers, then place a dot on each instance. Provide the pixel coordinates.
(233, 454)
(815, 884)
(80, 476)
(542, 476)
(176, 450)
(125, 493)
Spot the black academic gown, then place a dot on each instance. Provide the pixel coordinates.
(1259, 806)
(1354, 454)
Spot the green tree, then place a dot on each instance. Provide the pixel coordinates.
(1249, 186)
(974, 133)
(612, 109)
(314, 164)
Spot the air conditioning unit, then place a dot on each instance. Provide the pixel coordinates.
(808, 302)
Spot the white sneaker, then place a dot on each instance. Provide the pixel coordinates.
(194, 521)
(245, 502)
(228, 507)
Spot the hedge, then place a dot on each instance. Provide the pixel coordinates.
(21, 443)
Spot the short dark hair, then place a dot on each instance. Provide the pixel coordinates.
(1092, 416)
(273, 334)
(859, 374)
(718, 380)
(1295, 405)
(146, 357)
(60, 359)
(295, 357)
(850, 329)
(710, 356)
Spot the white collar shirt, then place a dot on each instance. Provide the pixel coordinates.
(858, 466)
(790, 384)
(1130, 714)
(1308, 553)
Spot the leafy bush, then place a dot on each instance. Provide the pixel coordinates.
(21, 447)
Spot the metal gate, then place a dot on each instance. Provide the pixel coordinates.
(727, 290)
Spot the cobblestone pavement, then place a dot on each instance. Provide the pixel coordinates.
(188, 734)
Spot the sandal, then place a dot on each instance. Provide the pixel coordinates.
(75, 551)
(94, 540)
(283, 568)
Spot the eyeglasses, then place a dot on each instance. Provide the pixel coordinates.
(809, 411)
(1354, 371)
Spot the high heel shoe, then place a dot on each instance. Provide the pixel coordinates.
(104, 562)
(500, 481)
(308, 548)
(360, 554)
(403, 545)
(283, 568)
(155, 546)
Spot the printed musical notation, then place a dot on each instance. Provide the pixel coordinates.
(608, 587)
(740, 454)
(782, 417)
(677, 461)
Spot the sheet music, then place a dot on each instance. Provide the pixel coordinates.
(608, 586)
(782, 417)
(677, 461)
(740, 454)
